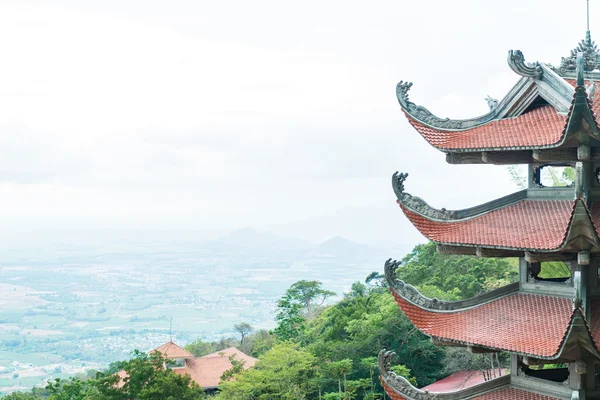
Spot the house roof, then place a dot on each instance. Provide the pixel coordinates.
(249, 361)
(207, 370)
(527, 324)
(171, 350)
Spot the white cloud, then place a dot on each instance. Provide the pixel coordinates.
(194, 113)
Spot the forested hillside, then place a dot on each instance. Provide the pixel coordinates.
(320, 351)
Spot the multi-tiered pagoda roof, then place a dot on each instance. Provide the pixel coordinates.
(548, 119)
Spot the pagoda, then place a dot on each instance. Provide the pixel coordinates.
(548, 121)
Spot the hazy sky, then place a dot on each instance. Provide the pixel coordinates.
(218, 114)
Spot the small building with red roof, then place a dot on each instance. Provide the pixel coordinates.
(207, 370)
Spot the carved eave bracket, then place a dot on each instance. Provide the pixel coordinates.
(404, 388)
(417, 204)
(413, 296)
(426, 117)
(398, 383)
(516, 62)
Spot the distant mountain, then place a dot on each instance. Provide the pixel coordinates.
(249, 238)
(381, 226)
(344, 249)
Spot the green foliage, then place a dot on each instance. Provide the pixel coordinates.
(286, 372)
(147, 380)
(21, 396)
(458, 277)
(200, 348)
(301, 301)
(555, 269)
(243, 328)
(237, 367)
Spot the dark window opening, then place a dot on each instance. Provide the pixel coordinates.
(537, 103)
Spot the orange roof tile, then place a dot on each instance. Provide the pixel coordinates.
(528, 224)
(500, 394)
(521, 323)
(207, 370)
(460, 380)
(595, 321)
(541, 126)
(232, 351)
(171, 350)
(513, 394)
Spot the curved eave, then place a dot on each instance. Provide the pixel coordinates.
(416, 298)
(399, 388)
(517, 323)
(542, 128)
(512, 223)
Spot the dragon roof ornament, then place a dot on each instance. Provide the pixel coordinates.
(416, 203)
(516, 61)
(591, 56)
(412, 294)
(425, 116)
(397, 382)
(402, 386)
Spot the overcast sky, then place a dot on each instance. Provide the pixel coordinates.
(222, 114)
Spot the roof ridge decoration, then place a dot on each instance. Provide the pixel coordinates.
(421, 207)
(427, 117)
(412, 294)
(516, 61)
(399, 384)
(417, 203)
(591, 55)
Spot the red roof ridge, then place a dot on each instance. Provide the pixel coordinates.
(172, 350)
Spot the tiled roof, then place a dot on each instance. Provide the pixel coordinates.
(513, 394)
(528, 224)
(460, 380)
(595, 321)
(522, 323)
(595, 105)
(232, 351)
(171, 350)
(500, 394)
(541, 126)
(207, 370)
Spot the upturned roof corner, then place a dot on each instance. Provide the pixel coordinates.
(516, 61)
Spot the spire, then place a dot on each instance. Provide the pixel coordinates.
(591, 54)
(591, 57)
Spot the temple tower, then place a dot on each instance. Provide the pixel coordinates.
(548, 122)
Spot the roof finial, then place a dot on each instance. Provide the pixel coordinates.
(170, 329)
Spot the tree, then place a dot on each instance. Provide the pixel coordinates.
(300, 302)
(309, 294)
(200, 348)
(243, 329)
(21, 396)
(453, 277)
(237, 367)
(286, 372)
